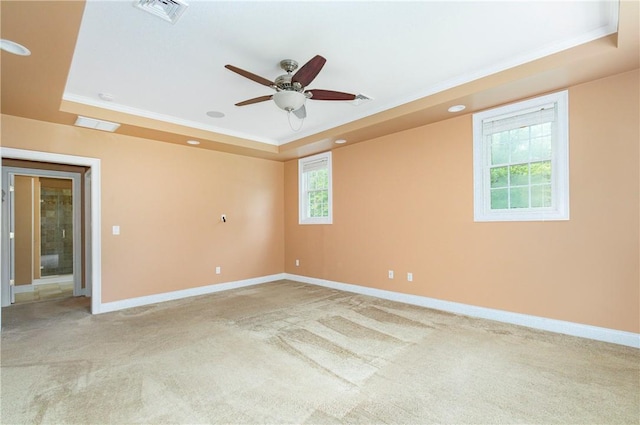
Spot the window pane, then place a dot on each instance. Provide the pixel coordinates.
(499, 199)
(541, 148)
(541, 196)
(519, 175)
(519, 149)
(519, 197)
(318, 205)
(520, 134)
(541, 172)
(317, 179)
(499, 150)
(499, 177)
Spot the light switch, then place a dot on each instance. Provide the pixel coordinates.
(115, 230)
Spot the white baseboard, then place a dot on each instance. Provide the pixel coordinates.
(558, 326)
(184, 293)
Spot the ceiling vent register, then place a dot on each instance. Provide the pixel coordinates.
(169, 10)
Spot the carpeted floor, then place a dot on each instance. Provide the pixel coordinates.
(288, 352)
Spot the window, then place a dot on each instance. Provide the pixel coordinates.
(314, 184)
(521, 162)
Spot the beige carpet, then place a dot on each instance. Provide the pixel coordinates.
(287, 352)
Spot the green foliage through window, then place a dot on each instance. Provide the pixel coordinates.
(318, 193)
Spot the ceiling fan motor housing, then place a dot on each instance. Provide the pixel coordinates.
(284, 83)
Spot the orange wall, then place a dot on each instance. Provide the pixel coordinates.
(167, 200)
(405, 202)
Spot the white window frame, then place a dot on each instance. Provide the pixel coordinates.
(559, 209)
(303, 217)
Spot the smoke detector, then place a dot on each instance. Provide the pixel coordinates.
(169, 10)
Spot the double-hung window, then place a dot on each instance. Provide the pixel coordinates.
(521, 170)
(314, 183)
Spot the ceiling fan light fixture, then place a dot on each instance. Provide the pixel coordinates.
(289, 100)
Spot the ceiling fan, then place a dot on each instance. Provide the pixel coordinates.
(291, 92)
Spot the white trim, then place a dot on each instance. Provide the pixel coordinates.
(96, 242)
(185, 293)
(552, 325)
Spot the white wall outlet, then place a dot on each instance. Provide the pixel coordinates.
(223, 218)
(115, 230)
(218, 271)
(409, 277)
(390, 274)
(297, 262)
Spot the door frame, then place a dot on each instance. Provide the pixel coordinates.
(8, 259)
(93, 221)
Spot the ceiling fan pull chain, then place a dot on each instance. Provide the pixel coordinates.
(291, 125)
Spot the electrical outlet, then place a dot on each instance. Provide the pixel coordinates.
(218, 270)
(409, 277)
(297, 263)
(390, 274)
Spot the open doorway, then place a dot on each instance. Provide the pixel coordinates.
(92, 242)
(44, 222)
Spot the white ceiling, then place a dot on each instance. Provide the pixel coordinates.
(393, 52)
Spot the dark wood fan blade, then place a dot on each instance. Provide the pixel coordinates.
(258, 79)
(330, 95)
(309, 71)
(255, 100)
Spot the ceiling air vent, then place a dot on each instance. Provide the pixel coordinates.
(96, 124)
(169, 10)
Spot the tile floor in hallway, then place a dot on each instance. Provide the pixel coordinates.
(44, 292)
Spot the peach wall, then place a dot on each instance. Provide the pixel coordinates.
(405, 202)
(167, 200)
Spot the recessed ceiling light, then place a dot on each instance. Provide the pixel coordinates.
(456, 108)
(13, 47)
(341, 141)
(106, 96)
(215, 114)
(193, 142)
